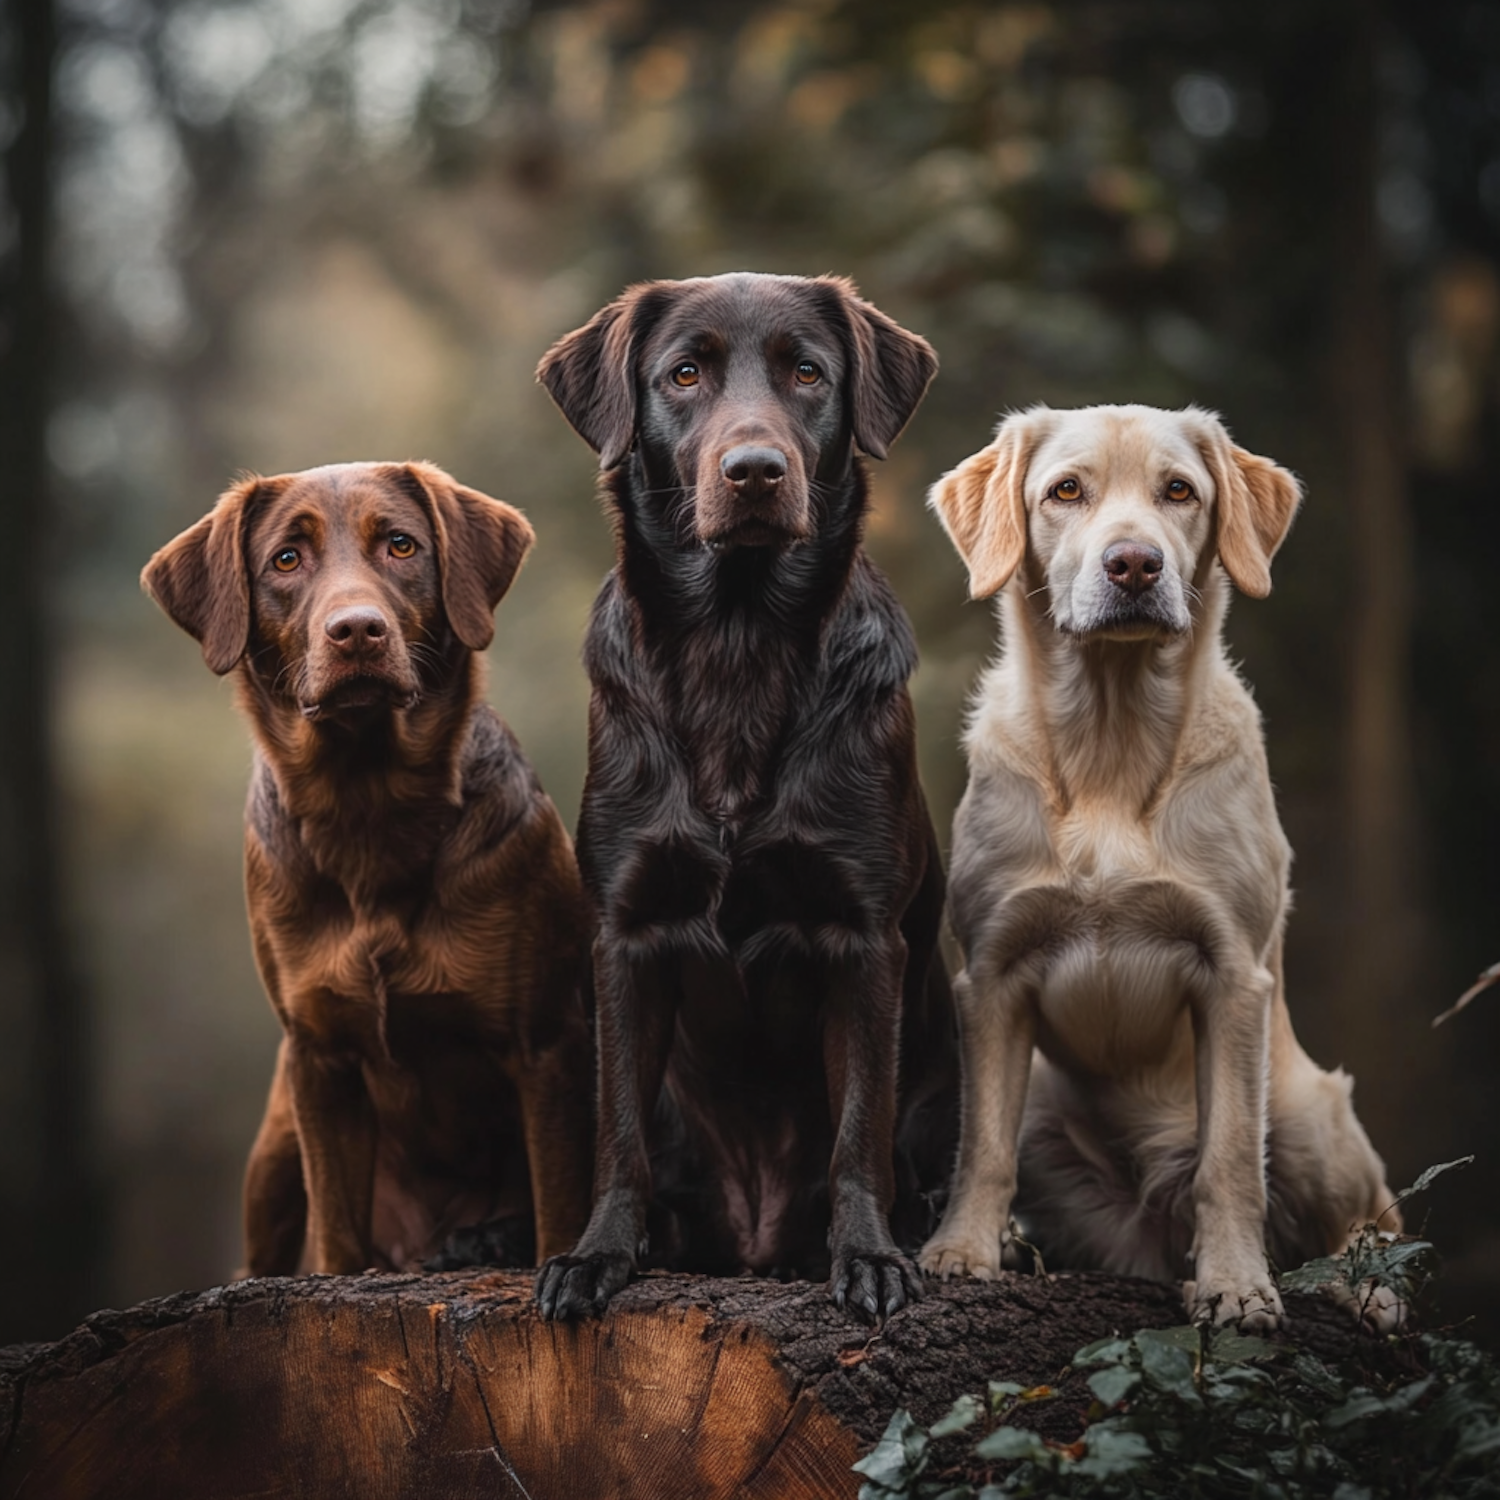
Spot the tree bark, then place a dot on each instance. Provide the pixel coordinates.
(451, 1385)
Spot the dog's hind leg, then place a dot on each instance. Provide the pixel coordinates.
(274, 1196)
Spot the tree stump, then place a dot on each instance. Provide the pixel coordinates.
(451, 1386)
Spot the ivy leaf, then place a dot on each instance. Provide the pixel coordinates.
(1007, 1443)
(1169, 1368)
(963, 1413)
(1233, 1348)
(1187, 1337)
(899, 1456)
(1112, 1450)
(1101, 1350)
(1113, 1383)
(1314, 1274)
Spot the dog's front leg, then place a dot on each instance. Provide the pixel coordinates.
(997, 1027)
(635, 1018)
(336, 1131)
(861, 1037)
(1231, 1026)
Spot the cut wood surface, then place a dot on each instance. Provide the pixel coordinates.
(451, 1386)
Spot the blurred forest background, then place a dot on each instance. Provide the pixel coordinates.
(272, 233)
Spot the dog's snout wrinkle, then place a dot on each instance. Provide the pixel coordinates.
(357, 628)
(1133, 566)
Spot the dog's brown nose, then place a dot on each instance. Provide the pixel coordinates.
(751, 469)
(356, 629)
(1133, 566)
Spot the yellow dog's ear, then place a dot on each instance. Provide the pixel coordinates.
(982, 504)
(1257, 500)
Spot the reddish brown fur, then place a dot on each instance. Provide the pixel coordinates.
(414, 901)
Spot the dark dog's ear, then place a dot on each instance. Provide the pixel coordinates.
(892, 370)
(199, 577)
(590, 373)
(481, 544)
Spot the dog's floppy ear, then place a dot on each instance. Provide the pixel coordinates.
(1256, 503)
(590, 374)
(481, 544)
(199, 578)
(982, 505)
(892, 370)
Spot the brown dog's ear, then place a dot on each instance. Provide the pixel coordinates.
(1257, 500)
(199, 578)
(892, 370)
(982, 505)
(481, 544)
(590, 374)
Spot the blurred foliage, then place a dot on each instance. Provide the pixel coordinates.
(296, 231)
(1216, 1413)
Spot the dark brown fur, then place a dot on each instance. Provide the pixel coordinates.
(414, 901)
(775, 1028)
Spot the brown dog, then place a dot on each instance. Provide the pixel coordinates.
(414, 901)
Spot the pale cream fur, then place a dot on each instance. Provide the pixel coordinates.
(1119, 883)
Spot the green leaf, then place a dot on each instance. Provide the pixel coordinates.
(1186, 1337)
(1102, 1349)
(963, 1413)
(1348, 1491)
(1112, 1450)
(1003, 1390)
(1430, 1176)
(1168, 1367)
(1113, 1383)
(1007, 1443)
(1314, 1373)
(900, 1455)
(1308, 1278)
(1233, 1348)
(1477, 1440)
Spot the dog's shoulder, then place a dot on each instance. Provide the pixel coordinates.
(869, 647)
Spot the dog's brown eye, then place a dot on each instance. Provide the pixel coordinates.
(808, 373)
(1067, 489)
(286, 560)
(1179, 489)
(402, 545)
(685, 375)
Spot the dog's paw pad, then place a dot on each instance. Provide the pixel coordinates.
(574, 1286)
(873, 1285)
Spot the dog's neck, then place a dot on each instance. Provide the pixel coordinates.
(373, 801)
(1102, 720)
(734, 636)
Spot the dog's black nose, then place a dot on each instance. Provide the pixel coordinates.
(359, 627)
(1133, 566)
(754, 468)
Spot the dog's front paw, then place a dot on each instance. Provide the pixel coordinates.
(1378, 1308)
(873, 1285)
(955, 1255)
(580, 1286)
(1255, 1308)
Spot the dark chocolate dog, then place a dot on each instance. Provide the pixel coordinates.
(763, 869)
(414, 901)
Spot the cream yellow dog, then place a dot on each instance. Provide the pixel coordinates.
(1119, 880)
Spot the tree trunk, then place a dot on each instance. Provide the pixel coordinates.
(1382, 1020)
(49, 1247)
(451, 1385)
